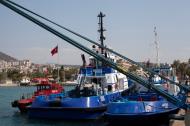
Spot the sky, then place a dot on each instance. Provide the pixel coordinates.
(129, 28)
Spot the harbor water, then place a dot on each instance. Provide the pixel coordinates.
(12, 117)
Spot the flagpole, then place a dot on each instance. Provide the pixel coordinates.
(58, 62)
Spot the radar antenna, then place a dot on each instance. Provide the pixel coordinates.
(101, 30)
(157, 47)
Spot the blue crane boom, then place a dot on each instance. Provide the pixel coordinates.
(183, 87)
(145, 83)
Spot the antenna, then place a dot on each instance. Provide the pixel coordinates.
(157, 47)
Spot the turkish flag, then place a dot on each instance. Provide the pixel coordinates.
(54, 50)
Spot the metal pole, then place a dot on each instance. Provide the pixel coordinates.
(64, 73)
(58, 63)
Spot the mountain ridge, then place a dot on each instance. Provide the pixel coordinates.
(6, 57)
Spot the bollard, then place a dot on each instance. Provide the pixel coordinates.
(187, 117)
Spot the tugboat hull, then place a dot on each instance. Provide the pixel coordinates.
(67, 113)
(139, 112)
(71, 108)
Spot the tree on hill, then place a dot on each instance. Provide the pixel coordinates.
(182, 69)
(175, 65)
(14, 74)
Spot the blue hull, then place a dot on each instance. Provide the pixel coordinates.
(136, 112)
(67, 113)
(137, 120)
(71, 108)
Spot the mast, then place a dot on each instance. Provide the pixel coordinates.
(101, 30)
(157, 47)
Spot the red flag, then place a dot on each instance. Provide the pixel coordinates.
(54, 50)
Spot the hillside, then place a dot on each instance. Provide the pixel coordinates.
(6, 57)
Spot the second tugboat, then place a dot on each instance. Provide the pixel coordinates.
(44, 88)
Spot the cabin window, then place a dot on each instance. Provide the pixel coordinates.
(109, 88)
(94, 80)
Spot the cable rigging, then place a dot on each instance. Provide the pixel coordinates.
(98, 56)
